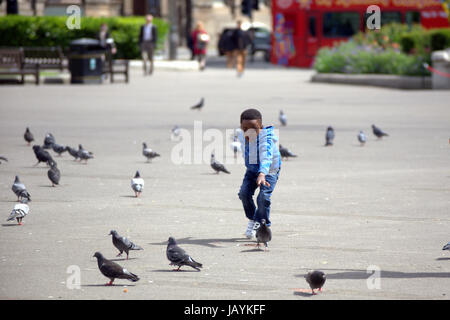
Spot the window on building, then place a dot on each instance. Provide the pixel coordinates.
(340, 24)
(412, 17)
(390, 17)
(312, 26)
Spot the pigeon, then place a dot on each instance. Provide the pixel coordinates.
(84, 154)
(285, 153)
(137, 184)
(49, 140)
(112, 270)
(59, 148)
(316, 280)
(178, 257)
(236, 146)
(19, 212)
(199, 105)
(446, 247)
(41, 155)
(73, 152)
(217, 166)
(362, 138)
(148, 153)
(329, 136)
(28, 136)
(175, 132)
(122, 243)
(53, 173)
(283, 118)
(3, 158)
(263, 234)
(20, 190)
(378, 132)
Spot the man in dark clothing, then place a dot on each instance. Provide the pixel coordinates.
(241, 42)
(147, 41)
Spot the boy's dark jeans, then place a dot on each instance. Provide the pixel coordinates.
(263, 200)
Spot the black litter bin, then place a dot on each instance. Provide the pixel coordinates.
(86, 61)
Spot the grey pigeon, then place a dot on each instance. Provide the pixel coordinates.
(112, 270)
(73, 152)
(28, 136)
(84, 154)
(59, 149)
(137, 184)
(175, 132)
(20, 190)
(283, 118)
(3, 158)
(446, 247)
(218, 167)
(285, 153)
(148, 153)
(49, 140)
(178, 257)
(123, 244)
(378, 132)
(41, 155)
(316, 280)
(329, 136)
(199, 105)
(362, 138)
(19, 212)
(53, 173)
(263, 234)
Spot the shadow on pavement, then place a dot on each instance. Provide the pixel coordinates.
(351, 274)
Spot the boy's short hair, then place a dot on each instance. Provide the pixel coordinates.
(251, 114)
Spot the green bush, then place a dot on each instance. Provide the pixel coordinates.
(21, 31)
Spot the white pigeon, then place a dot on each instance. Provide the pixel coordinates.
(137, 184)
(175, 133)
(236, 146)
(362, 138)
(19, 212)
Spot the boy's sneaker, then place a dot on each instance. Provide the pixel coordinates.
(251, 229)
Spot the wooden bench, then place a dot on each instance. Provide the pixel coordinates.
(114, 66)
(12, 62)
(45, 57)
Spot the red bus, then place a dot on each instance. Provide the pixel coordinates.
(301, 27)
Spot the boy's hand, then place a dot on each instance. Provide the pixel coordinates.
(261, 180)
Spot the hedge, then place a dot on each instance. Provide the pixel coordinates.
(425, 41)
(21, 31)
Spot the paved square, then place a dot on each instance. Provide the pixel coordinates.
(340, 209)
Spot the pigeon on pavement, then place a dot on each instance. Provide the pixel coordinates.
(112, 270)
(3, 158)
(283, 118)
(41, 155)
(178, 257)
(446, 247)
(53, 173)
(59, 148)
(20, 190)
(73, 152)
(49, 140)
(123, 244)
(263, 234)
(236, 146)
(19, 212)
(148, 153)
(84, 154)
(329, 136)
(362, 138)
(316, 280)
(217, 166)
(175, 132)
(28, 136)
(199, 105)
(285, 153)
(137, 184)
(378, 132)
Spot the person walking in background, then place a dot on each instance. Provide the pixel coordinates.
(226, 43)
(147, 42)
(106, 41)
(241, 41)
(200, 40)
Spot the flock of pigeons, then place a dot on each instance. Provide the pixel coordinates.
(176, 255)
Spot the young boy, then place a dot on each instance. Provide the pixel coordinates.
(263, 162)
